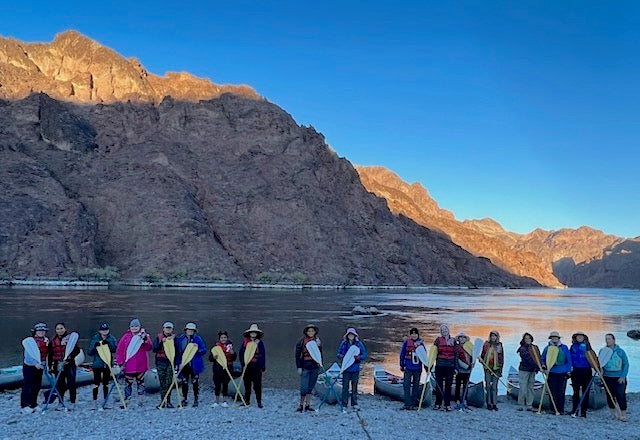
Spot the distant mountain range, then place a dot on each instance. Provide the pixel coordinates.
(583, 257)
(107, 167)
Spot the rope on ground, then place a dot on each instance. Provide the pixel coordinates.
(363, 425)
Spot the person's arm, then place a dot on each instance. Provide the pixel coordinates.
(403, 351)
(92, 346)
(339, 353)
(568, 355)
(121, 350)
(263, 358)
(625, 363)
(241, 354)
(298, 353)
(113, 344)
(202, 348)
(363, 351)
(156, 344)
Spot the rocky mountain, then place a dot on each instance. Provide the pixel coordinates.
(484, 238)
(227, 187)
(76, 68)
(583, 257)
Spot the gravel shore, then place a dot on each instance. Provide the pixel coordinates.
(378, 418)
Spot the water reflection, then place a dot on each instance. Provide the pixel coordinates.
(282, 315)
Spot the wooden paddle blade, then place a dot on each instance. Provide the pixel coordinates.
(592, 358)
(218, 355)
(552, 356)
(422, 355)
(468, 347)
(314, 351)
(350, 357)
(534, 351)
(134, 345)
(604, 355)
(31, 349)
(105, 353)
(169, 347)
(189, 352)
(250, 351)
(71, 344)
(433, 355)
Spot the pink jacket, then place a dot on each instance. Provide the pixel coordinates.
(139, 363)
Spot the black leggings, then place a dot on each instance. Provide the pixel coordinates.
(188, 374)
(618, 390)
(221, 381)
(100, 376)
(30, 386)
(580, 379)
(67, 380)
(253, 375)
(444, 378)
(462, 379)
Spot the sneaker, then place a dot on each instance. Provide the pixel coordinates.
(300, 409)
(520, 408)
(225, 405)
(436, 407)
(184, 402)
(28, 410)
(308, 409)
(60, 407)
(260, 406)
(215, 405)
(495, 407)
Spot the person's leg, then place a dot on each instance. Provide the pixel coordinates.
(345, 389)
(70, 371)
(586, 380)
(97, 378)
(26, 399)
(406, 385)
(248, 380)
(257, 384)
(487, 384)
(355, 376)
(186, 375)
(448, 382)
(195, 381)
(459, 388)
(415, 387)
(464, 383)
(225, 388)
(105, 382)
(523, 378)
(620, 394)
(128, 389)
(494, 390)
(440, 387)
(530, 380)
(217, 385)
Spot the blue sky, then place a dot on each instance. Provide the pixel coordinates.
(526, 112)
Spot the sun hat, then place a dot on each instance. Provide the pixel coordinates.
(308, 326)
(462, 334)
(554, 335)
(191, 326)
(135, 323)
(253, 328)
(168, 324)
(351, 330)
(41, 326)
(104, 326)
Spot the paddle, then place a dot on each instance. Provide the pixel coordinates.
(187, 355)
(169, 348)
(134, 345)
(428, 360)
(480, 343)
(249, 352)
(219, 356)
(71, 345)
(473, 349)
(104, 352)
(349, 357)
(31, 350)
(347, 361)
(604, 356)
(552, 357)
(314, 351)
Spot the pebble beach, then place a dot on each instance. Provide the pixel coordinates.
(378, 418)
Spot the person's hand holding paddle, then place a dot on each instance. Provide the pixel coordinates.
(299, 371)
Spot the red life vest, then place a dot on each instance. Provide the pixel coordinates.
(445, 351)
(43, 346)
(411, 348)
(228, 355)
(58, 348)
(305, 353)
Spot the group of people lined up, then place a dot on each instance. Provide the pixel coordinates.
(54, 360)
(571, 362)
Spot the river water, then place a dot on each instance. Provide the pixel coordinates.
(283, 313)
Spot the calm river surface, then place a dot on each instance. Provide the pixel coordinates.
(283, 313)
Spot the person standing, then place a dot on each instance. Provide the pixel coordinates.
(492, 359)
(463, 366)
(411, 366)
(615, 375)
(256, 366)
(581, 372)
(221, 378)
(445, 366)
(191, 371)
(163, 364)
(32, 369)
(308, 368)
(557, 376)
(67, 367)
(352, 374)
(101, 374)
(135, 368)
(526, 372)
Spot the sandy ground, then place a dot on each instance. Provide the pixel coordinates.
(378, 418)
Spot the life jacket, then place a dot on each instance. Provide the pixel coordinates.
(615, 363)
(306, 356)
(410, 353)
(58, 347)
(445, 351)
(160, 354)
(43, 346)
(562, 357)
(225, 350)
(255, 356)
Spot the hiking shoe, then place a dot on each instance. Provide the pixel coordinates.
(195, 404)
(308, 408)
(300, 409)
(447, 408)
(27, 410)
(260, 406)
(225, 405)
(184, 402)
(495, 407)
(215, 405)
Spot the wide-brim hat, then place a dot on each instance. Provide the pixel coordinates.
(191, 326)
(308, 326)
(580, 333)
(253, 328)
(462, 334)
(554, 335)
(351, 330)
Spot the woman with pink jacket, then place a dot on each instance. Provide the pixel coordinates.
(134, 368)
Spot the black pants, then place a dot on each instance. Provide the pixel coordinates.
(221, 381)
(253, 375)
(30, 386)
(100, 376)
(618, 390)
(462, 379)
(557, 386)
(67, 380)
(189, 375)
(580, 378)
(444, 379)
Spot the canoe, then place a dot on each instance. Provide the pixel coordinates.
(390, 385)
(322, 385)
(597, 395)
(475, 394)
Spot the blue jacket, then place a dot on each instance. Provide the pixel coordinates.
(197, 363)
(344, 347)
(559, 368)
(579, 355)
(410, 361)
(97, 362)
(618, 365)
(526, 360)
